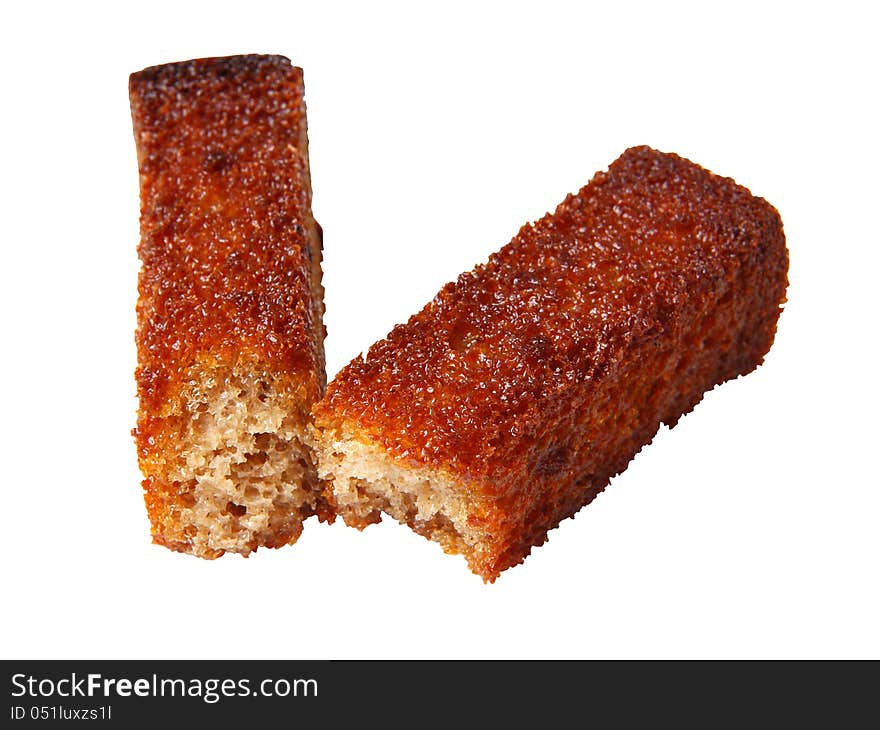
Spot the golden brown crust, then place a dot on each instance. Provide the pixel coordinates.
(227, 235)
(536, 377)
(230, 252)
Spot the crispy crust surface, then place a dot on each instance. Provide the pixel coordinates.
(230, 276)
(228, 241)
(535, 378)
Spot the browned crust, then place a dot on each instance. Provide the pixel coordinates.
(535, 378)
(230, 251)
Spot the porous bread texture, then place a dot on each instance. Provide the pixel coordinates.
(244, 474)
(365, 481)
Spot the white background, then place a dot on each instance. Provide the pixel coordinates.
(750, 530)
